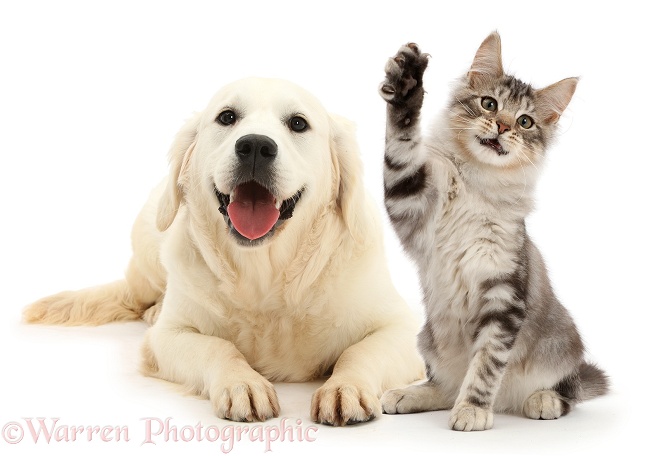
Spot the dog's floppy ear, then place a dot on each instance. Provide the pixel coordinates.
(178, 155)
(351, 198)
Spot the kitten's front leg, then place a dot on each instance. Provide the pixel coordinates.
(409, 195)
(494, 335)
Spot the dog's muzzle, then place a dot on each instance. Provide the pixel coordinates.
(252, 210)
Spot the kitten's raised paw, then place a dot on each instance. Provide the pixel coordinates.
(403, 75)
(544, 405)
(467, 417)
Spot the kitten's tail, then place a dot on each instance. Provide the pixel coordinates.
(594, 381)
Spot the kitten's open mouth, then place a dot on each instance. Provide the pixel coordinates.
(494, 145)
(253, 212)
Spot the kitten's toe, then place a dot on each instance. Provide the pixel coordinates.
(412, 60)
(544, 405)
(387, 91)
(467, 417)
(415, 398)
(396, 401)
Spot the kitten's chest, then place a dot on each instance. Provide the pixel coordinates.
(473, 243)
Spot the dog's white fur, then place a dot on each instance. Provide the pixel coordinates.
(314, 297)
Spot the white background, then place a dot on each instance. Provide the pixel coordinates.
(92, 93)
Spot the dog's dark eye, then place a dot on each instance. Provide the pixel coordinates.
(227, 117)
(298, 124)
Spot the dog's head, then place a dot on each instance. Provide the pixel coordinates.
(263, 152)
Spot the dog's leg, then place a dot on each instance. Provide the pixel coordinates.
(214, 367)
(385, 358)
(121, 300)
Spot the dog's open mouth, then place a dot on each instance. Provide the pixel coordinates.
(253, 211)
(494, 145)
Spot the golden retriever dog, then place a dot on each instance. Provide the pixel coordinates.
(265, 257)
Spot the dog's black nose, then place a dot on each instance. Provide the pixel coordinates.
(256, 149)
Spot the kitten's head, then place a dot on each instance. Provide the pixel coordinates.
(499, 120)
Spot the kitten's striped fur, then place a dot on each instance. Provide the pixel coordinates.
(495, 338)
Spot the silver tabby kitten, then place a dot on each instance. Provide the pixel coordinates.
(495, 338)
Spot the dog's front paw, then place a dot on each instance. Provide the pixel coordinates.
(341, 404)
(251, 400)
(403, 76)
(468, 417)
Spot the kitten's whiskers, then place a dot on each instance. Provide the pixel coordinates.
(526, 147)
(466, 108)
(460, 116)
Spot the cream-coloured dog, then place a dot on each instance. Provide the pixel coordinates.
(265, 257)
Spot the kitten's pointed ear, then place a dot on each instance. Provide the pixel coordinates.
(487, 64)
(553, 99)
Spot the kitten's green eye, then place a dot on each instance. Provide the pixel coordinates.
(489, 104)
(525, 121)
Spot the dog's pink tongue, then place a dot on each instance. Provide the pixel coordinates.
(253, 212)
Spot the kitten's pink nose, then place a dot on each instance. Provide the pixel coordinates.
(502, 127)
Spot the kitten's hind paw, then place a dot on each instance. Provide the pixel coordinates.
(414, 398)
(395, 401)
(403, 75)
(545, 405)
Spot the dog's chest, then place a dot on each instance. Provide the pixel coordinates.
(283, 347)
(286, 332)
